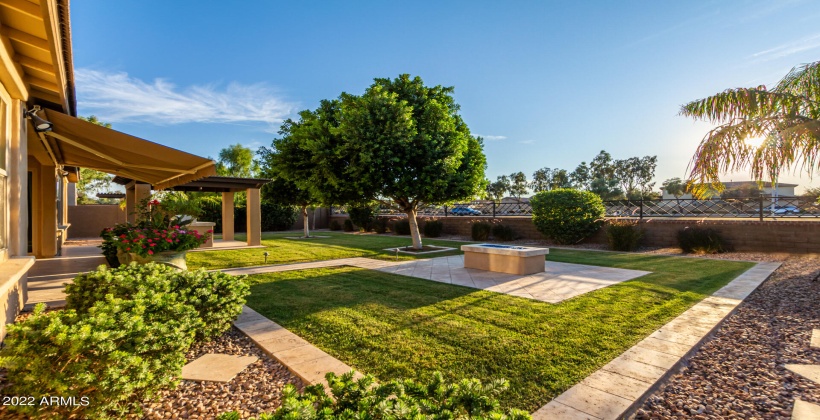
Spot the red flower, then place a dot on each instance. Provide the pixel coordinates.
(176, 226)
(150, 252)
(122, 236)
(210, 231)
(152, 244)
(128, 249)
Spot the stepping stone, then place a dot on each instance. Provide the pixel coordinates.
(811, 372)
(216, 367)
(805, 410)
(815, 339)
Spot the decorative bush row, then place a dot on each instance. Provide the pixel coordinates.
(334, 225)
(433, 228)
(624, 235)
(122, 338)
(702, 241)
(401, 227)
(407, 399)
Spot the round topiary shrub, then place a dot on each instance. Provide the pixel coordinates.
(334, 225)
(567, 216)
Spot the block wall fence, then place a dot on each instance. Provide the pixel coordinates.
(744, 235)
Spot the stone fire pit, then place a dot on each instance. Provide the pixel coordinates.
(509, 259)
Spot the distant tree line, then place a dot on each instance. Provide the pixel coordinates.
(610, 179)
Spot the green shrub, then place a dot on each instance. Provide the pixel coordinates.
(481, 231)
(433, 228)
(334, 225)
(348, 226)
(380, 224)
(701, 241)
(401, 227)
(624, 235)
(406, 399)
(111, 359)
(504, 233)
(567, 216)
(363, 215)
(276, 216)
(216, 297)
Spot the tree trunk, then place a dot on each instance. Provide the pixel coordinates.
(306, 221)
(414, 228)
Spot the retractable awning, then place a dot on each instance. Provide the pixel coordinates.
(75, 142)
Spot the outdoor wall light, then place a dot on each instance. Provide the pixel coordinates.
(40, 125)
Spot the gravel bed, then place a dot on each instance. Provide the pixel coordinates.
(739, 373)
(257, 389)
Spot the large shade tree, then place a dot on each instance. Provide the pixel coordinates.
(787, 117)
(406, 142)
(400, 141)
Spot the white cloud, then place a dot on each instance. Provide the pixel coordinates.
(491, 138)
(117, 97)
(789, 48)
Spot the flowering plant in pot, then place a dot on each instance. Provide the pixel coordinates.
(159, 235)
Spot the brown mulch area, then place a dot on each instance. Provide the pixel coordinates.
(739, 373)
(257, 389)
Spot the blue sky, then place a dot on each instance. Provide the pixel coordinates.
(548, 84)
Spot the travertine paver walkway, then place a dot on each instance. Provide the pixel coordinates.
(302, 358)
(804, 410)
(559, 282)
(619, 386)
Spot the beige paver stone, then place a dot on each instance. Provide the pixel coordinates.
(663, 346)
(314, 371)
(616, 384)
(216, 367)
(804, 410)
(688, 338)
(811, 372)
(300, 354)
(595, 402)
(555, 410)
(651, 357)
(815, 339)
(278, 342)
(635, 370)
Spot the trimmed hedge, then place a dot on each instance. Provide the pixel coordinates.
(433, 228)
(216, 297)
(624, 235)
(401, 227)
(700, 240)
(480, 231)
(567, 216)
(334, 225)
(504, 233)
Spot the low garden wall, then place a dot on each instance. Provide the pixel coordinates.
(744, 235)
(88, 220)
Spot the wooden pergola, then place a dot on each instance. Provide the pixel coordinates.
(228, 186)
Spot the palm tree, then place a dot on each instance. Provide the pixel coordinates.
(786, 117)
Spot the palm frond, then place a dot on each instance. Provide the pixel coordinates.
(744, 103)
(803, 81)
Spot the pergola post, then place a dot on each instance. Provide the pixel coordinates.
(134, 193)
(254, 212)
(227, 216)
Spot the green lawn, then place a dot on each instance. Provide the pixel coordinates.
(338, 245)
(394, 326)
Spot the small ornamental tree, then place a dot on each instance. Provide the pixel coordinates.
(567, 216)
(278, 163)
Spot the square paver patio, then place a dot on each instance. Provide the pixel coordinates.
(559, 281)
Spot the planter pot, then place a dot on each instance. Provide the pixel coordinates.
(123, 257)
(113, 260)
(175, 259)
